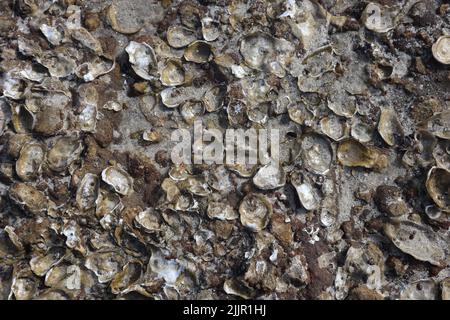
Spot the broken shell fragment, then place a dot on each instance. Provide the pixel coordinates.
(198, 52)
(118, 179)
(352, 153)
(172, 74)
(438, 187)
(441, 50)
(255, 211)
(389, 127)
(419, 241)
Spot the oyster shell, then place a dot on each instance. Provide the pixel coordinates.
(255, 211)
(441, 49)
(149, 220)
(192, 110)
(173, 73)
(334, 127)
(378, 18)
(91, 70)
(87, 39)
(64, 152)
(210, 29)
(361, 131)
(237, 288)
(389, 127)
(352, 153)
(316, 153)
(221, 211)
(129, 19)
(257, 49)
(214, 98)
(142, 58)
(390, 200)
(445, 289)
(342, 104)
(131, 273)
(269, 177)
(30, 161)
(59, 64)
(167, 269)
(54, 34)
(87, 192)
(179, 37)
(28, 197)
(105, 264)
(41, 264)
(438, 187)
(439, 125)
(307, 194)
(172, 97)
(419, 241)
(24, 288)
(118, 179)
(198, 52)
(107, 202)
(5, 116)
(420, 290)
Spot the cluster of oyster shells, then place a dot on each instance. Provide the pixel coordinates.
(92, 207)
